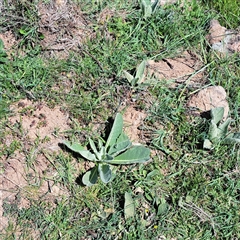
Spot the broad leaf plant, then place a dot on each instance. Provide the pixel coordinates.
(218, 130)
(118, 149)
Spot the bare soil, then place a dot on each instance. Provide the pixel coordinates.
(133, 119)
(184, 69)
(223, 40)
(8, 40)
(64, 28)
(208, 98)
(29, 174)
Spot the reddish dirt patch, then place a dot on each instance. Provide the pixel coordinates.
(40, 121)
(184, 69)
(107, 13)
(209, 98)
(29, 173)
(133, 119)
(8, 39)
(223, 40)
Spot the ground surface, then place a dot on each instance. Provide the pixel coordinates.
(62, 78)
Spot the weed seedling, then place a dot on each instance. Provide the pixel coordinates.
(137, 79)
(219, 132)
(118, 149)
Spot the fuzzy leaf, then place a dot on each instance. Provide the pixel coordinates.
(76, 147)
(213, 132)
(224, 127)
(102, 153)
(140, 71)
(207, 144)
(121, 145)
(136, 154)
(93, 147)
(147, 8)
(115, 131)
(232, 138)
(107, 158)
(217, 114)
(162, 206)
(128, 76)
(129, 206)
(100, 143)
(105, 172)
(90, 177)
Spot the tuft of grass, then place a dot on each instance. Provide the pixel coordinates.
(226, 72)
(25, 76)
(21, 17)
(228, 11)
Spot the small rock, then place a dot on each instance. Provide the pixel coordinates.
(177, 70)
(209, 98)
(223, 40)
(216, 32)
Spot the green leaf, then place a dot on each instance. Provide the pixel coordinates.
(134, 82)
(93, 146)
(100, 143)
(207, 144)
(152, 174)
(128, 76)
(121, 145)
(22, 32)
(3, 54)
(140, 71)
(76, 147)
(105, 172)
(90, 177)
(154, 6)
(115, 131)
(146, 8)
(103, 153)
(107, 158)
(162, 207)
(213, 132)
(216, 133)
(217, 114)
(136, 154)
(232, 138)
(224, 128)
(129, 206)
